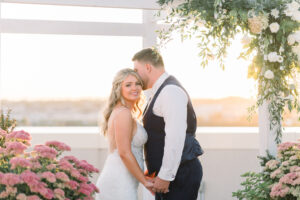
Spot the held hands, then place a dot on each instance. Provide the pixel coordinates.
(160, 186)
(149, 184)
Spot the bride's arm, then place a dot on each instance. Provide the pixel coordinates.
(123, 124)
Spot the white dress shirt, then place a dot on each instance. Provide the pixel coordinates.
(171, 104)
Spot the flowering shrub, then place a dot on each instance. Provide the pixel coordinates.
(280, 178)
(41, 173)
(271, 39)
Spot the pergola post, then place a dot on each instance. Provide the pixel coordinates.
(266, 135)
(150, 26)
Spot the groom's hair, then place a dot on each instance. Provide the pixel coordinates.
(150, 55)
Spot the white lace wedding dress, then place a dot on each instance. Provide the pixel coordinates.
(115, 181)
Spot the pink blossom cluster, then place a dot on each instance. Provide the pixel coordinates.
(278, 190)
(19, 162)
(292, 178)
(3, 133)
(58, 145)
(19, 136)
(14, 148)
(45, 151)
(285, 171)
(49, 176)
(43, 178)
(272, 164)
(23, 196)
(10, 179)
(285, 146)
(9, 191)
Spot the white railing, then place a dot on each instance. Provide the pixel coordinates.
(229, 152)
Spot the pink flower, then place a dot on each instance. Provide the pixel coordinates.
(59, 193)
(19, 162)
(272, 164)
(11, 190)
(73, 184)
(83, 178)
(48, 176)
(3, 195)
(75, 173)
(286, 145)
(33, 197)
(86, 189)
(288, 178)
(86, 166)
(47, 193)
(10, 179)
(58, 145)
(30, 178)
(3, 133)
(275, 173)
(36, 165)
(51, 166)
(21, 196)
(45, 151)
(295, 168)
(15, 147)
(70, 158)
(65, 165)
(279, 190)
(19, 135)
(62, 176)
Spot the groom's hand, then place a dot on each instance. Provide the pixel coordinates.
(160, 186)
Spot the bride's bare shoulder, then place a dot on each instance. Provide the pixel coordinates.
(122, 113)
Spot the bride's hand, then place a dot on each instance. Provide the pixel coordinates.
(149, 185)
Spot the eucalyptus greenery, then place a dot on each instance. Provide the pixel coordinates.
(256, 186)
(270, 39)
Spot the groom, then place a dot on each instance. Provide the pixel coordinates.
(171, 150)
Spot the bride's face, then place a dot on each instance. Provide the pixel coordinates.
(131, 88)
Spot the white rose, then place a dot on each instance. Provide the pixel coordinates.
(296, 49)
(290, 97)
(273, 57)
(288, 12)
(281, 68)
(275, 13)
(246, 40)
(279, 59)
(291, 39)
(269, 74)
(296, 15)
(274, 27)
(294, 5)
(291, 8)
(296, 36)
(281, 49)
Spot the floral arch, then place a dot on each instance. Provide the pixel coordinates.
(271, 39)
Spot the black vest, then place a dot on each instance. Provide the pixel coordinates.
(155, 127)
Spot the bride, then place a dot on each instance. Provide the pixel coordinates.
(123, 168)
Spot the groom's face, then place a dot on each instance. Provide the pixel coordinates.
(140, 68)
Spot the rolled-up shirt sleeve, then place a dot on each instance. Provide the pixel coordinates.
(173, 108)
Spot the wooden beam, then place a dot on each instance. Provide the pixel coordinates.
(133, 4)
(72, 28)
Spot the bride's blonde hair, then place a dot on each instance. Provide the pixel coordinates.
(116, 96)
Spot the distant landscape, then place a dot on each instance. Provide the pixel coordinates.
(231, 111)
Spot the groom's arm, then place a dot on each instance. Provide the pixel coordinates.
(172, 104)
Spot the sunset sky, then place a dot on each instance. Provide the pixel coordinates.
(72, 67)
